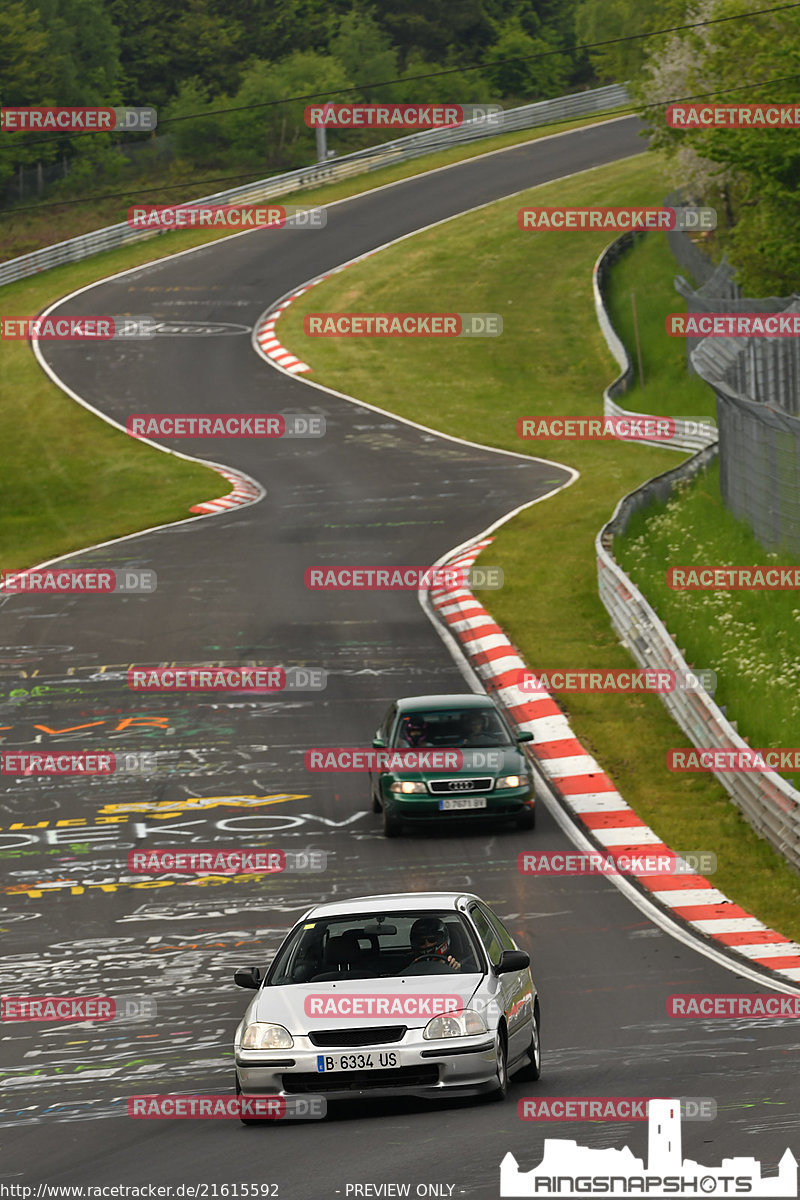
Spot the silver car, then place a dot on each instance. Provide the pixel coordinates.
(415, 994)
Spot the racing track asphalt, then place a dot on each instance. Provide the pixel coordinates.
(231, 588)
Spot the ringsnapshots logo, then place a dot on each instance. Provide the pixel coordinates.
(733, 325)
(594, 862)
(403, 325)
(568, 1169)
(226, 216)
(258, 861)
(215, 1107)
(226, 425)
(733, 579)
(648, 679)
(618, 219)
(401, 116)
(733, 116)
(227, 679)
(401, 579)
(78, 581)
(40, 763)
(609, 1108)
(77, 120)
(106, 328)
(597, 429)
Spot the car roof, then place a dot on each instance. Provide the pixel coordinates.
(456, 700)
(390, 901)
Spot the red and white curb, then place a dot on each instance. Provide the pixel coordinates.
(265, 340)
(589, 795)
(269, 343)
(245, 491)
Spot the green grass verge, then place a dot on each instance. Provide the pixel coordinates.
(751, 639)
(646, 272)
(69, 479)
(551, 359)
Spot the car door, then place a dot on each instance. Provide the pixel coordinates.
(515, 986)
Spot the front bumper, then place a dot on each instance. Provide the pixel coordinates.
(500, 804)
(425, 1068)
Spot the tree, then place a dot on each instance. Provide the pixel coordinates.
(531, 79)
(277, 135)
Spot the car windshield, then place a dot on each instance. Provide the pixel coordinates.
(451, 727)
(376, 946)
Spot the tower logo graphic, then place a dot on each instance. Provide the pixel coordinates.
(568, 1169)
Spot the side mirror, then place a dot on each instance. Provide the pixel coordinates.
(512, 960)
(247, 977)
(377, 742)
(525, 736)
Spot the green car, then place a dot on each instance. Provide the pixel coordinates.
(494, 780)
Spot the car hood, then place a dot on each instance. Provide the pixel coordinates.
(287, 1005)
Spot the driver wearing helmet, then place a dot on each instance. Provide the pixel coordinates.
(430, 939)
(415, 730)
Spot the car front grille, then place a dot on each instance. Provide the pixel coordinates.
(460, 787)
(357, 1037)
(352, 1081)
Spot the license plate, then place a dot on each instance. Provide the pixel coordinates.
(374, 1061)
(457, 802)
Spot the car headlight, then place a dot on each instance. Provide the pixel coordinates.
(408, 787)
(456, 1024)
(260, 1036)
(510, 781)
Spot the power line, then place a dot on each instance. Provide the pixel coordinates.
(358, 87)
(633, 110)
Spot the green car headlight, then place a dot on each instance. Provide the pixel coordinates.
(510, 781)
(456, 1024)
(408, 787)
(260, 1036)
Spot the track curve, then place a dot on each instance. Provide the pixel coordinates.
(375, 490)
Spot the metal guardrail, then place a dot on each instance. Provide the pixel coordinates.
(769, 804)
(687, 434)
(528, 116)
